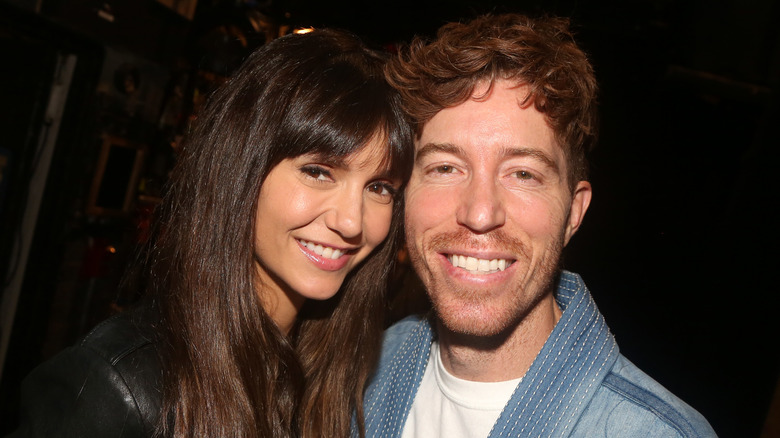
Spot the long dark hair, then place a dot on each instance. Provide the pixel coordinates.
(228, 370)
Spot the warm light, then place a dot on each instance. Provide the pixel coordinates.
(111, 249)
(302, 30)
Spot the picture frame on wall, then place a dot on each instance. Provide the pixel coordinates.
(116, 177)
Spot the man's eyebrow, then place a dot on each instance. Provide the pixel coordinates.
(533, 153)
(432, 148)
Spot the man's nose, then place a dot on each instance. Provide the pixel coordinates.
(481, 207)
(345, 214)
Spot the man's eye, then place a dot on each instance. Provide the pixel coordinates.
(316, 172)
(444, 169)
(522, 174)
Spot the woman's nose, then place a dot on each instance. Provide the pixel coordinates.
(345, 215)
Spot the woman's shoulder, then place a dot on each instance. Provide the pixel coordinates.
(121, 337)
(109, 381)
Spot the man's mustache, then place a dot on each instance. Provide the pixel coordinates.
(496, 240)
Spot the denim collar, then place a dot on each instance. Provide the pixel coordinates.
(566, 373)
(563, 378)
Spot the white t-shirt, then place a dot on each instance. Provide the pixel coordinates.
(446, 406)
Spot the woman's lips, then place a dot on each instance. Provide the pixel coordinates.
(325, 257)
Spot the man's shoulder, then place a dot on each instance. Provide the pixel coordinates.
(399, 333)
(631, 403)
(404, 328)
(405, 350)
(404, 338)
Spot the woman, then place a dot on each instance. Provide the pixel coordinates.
(265, 273)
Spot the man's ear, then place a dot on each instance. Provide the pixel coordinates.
(579, 205)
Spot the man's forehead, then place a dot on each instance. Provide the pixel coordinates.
(514, 90)
(503, 116)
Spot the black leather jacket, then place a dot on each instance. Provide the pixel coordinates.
(107, 385)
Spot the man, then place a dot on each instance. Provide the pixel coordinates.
(504, 110)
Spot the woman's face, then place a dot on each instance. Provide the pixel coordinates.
(316, 220)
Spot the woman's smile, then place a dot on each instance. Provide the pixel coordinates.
(326, 257)
(331, 211)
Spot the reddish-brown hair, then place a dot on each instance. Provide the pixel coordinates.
(538, 52)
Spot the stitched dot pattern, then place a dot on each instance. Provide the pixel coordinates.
(391, 401)
(566, 372)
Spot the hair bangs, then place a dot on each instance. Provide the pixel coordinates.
(331, 117)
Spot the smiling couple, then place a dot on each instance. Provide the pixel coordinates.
(265, 278)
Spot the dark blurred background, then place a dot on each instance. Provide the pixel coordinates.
(676, 248)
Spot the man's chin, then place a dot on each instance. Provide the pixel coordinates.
(472, 320)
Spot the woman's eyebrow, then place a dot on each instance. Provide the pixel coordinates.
(329, 160)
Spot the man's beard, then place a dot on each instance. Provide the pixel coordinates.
(474, 311)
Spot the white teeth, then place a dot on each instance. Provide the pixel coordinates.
(324, 251)
(478, 266)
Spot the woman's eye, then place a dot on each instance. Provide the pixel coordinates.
(316, 172)
(383, 190)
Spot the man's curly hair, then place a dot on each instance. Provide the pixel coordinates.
(539, 53)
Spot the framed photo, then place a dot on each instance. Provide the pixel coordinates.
(116, 177)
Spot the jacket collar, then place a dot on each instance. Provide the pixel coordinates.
(566, 373)
(563, 378)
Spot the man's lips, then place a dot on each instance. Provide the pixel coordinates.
(479, 266)
(478, 255)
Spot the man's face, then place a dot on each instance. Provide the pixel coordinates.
(488, 211)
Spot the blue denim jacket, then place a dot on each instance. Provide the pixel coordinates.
(579, 384)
